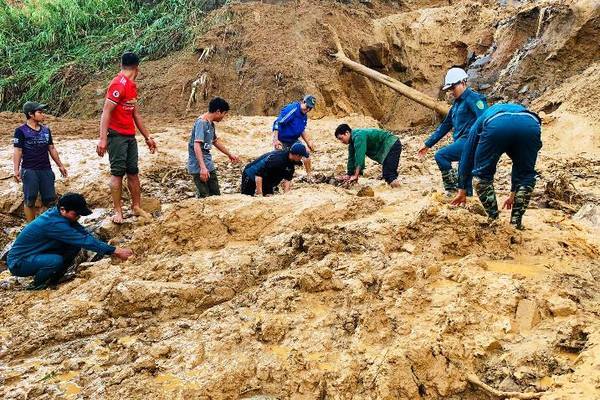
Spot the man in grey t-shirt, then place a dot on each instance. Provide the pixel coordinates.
(202, 138)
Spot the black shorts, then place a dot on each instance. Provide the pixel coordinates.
(38, 181)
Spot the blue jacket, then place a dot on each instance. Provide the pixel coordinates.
(290, 123)
(465, 168)
(463, 113)
(273, 167)
(51, 231)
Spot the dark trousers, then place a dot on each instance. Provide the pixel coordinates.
(448, 154)
(46, 266)
(519, 136)
(208, 188)
(249, 186)
(391, 161)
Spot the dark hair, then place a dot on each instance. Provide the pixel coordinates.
(29, 115)
(341, 129)
(130, 59)
(218, 104)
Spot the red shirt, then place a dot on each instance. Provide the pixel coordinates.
(123, 92)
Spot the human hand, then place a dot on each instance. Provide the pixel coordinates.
(460, 199)
(234, 159)
(101, 147)
(422, 151)
(123, 253)
(63, 171)
(18, 176)
(151, 145)
(204, 174)
(508, 203)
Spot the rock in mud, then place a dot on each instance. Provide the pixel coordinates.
(366, 191)
(561, 307)
(589, 214)
(527, 315)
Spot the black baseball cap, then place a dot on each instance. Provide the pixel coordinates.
(32, 106)
(74, 202)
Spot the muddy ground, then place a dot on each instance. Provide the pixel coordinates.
(325, 293)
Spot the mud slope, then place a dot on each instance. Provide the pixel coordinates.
(315, 294)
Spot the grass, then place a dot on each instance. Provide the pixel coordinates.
(50, 48)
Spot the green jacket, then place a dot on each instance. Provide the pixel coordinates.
(371, 142)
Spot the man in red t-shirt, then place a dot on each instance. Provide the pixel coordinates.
(120, 117)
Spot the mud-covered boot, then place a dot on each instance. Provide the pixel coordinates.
(520, 204)
(487, 196)
(450, 180)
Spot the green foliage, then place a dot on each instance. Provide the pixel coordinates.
(49, 48)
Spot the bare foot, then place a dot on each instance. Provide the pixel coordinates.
(139, 212)
(118, 217)
(395, 183)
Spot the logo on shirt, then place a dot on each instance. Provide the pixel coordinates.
(116, 94)
(480, 105)
(15, 141)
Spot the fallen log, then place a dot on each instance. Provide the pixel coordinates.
(413, 94)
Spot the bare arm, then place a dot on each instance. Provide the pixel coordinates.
(287, 185)
(54, 154)
(17, 157)
(200, 157)
(259, 186)
(308, 141)
(107, 110)
(217, 143)
(137, 118)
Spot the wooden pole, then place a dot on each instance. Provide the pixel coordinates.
(413, 94)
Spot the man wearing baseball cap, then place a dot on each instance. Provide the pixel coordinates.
(33, 147)
(47, 246)
(264, 174)
(290, 125)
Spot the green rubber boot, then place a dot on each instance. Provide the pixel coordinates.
(522, 198)
(487, 196)
(450, 181)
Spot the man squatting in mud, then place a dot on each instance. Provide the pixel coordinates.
(502, 128)
(377, 144)
(32, 145)
(202, 138)
(47, 247)
(290, 125)
(468, 105)
(118, 123)
(264, 174)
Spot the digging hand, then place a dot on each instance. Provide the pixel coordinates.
(460, 199)
(234, 159)
(422, 151)
(277, 144)
(123, 253)
(508, 203)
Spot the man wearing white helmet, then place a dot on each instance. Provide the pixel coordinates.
(468, 105)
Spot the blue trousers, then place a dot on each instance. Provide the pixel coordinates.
(448, 154)
(517, 135)
(45, 266)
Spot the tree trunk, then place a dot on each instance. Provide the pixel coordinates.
(413, 94)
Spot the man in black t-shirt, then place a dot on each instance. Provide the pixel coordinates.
(33, 145)
(262, 175)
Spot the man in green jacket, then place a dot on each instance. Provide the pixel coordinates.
(377, 144)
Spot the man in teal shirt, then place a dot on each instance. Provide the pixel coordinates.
(377, 144)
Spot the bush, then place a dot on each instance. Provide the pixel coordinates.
(49, 48)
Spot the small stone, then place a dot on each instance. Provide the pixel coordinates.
(527, 315)
(561, 307)
(365, 191)
(408, 247)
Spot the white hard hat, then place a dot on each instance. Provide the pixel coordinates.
(454, 76)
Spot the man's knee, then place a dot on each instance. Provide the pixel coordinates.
(131, 171)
